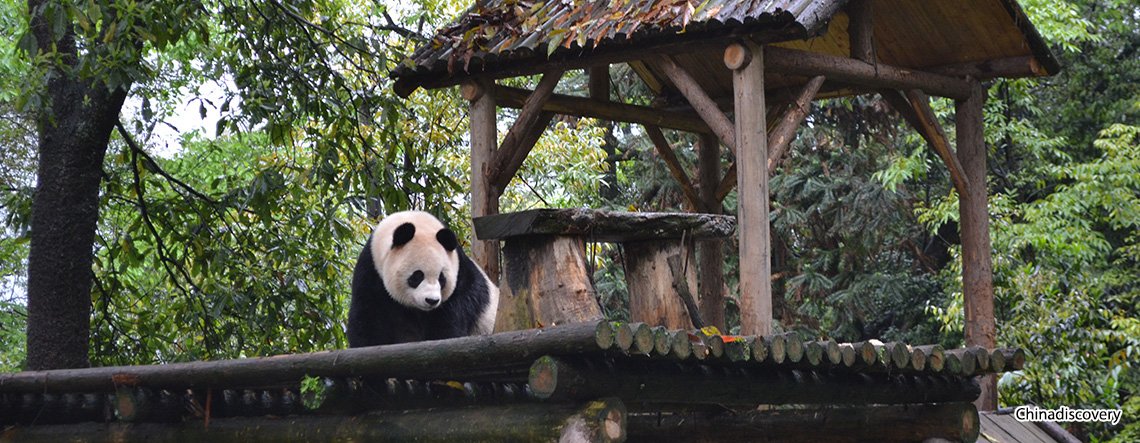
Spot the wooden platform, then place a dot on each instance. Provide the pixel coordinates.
(602, 381)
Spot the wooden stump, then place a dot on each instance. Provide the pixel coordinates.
(655, 292)
(546, 283)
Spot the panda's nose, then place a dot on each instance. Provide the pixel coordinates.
(431, 301)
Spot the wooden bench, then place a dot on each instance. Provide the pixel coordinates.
(546, 281)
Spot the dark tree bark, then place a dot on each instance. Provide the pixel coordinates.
(74, 127)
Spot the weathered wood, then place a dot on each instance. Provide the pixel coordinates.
(737, 349)
(848, 70)
(861, 30)
(664, 384)
(138, 404)
(737, 56)
(661, 344)
(592, 421)
(977, 263)
(585, 107)
(933, 355)
(636, 338)
(997, 360)
(605, 335)
(680, 346)
(665, 151)
(49, 408)
(752, 187)
(445, 359)
(793, 347)
(865, 355)
(781, 135)
(522, 135)
(654, 297)
(1009, 67)
(682, 285)
(706, 107)
(932, 132)
(710, 252)
(547, 283)
(900, 423)
(960, 362)
(484, 196)
(894, 355)
(982, 356)
(1014, 358)
(602, 225)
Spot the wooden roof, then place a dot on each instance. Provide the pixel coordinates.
(505, 38)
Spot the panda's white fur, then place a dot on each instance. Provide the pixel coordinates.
(422, 253)
(413, 282)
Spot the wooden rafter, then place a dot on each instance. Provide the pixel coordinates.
(932, 131)
(585, 107)
(875, 75)
(524, 133)
(665, 150)
(705, 106)
(781, 136)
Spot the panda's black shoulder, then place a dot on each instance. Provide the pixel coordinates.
(459, 315)
(374, 317)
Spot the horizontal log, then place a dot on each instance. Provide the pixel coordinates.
(602, 225)
(1010, 67)
(586, 107)
(650, 382)
(849, 70)
(907, 423)
(592, 421)
(444, 359)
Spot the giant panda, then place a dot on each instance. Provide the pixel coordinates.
(413, 282)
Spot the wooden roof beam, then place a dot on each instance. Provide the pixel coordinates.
(875, 75)
(781, 137)
(524, 133)
(705, 106)
(584, 107)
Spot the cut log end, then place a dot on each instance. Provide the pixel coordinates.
(737, 56)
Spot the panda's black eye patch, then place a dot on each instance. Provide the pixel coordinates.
(415, 279)
(442, 279)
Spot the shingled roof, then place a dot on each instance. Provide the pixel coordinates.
(503, 38)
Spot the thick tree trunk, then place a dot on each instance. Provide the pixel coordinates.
(74, 129)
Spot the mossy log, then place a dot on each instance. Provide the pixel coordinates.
(559, 379)
(506, 355)
(897, 423)
(592, 421)
(602, 225)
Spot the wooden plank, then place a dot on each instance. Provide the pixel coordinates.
(706, 107)
(977, 264)
(524, 132)
(585, 107)
(484, 196)
(710, 253)
(752, 186)
(932, 132)
(791, 61)
(603, 225)
(1009, 67)
(665, 150)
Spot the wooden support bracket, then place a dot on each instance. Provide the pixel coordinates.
(705, 106)
(781, 137)
(932, 131)
(524, 133)
(665, 150)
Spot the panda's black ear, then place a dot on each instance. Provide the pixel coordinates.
(403, 234)
(447, 239)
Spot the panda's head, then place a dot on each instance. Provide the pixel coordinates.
(417, 258)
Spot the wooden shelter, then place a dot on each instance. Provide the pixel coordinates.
(740, 74)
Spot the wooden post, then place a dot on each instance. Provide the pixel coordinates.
(546, 283)
(484, 197)
(977, 264)
(710, 253)
(752, 186)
